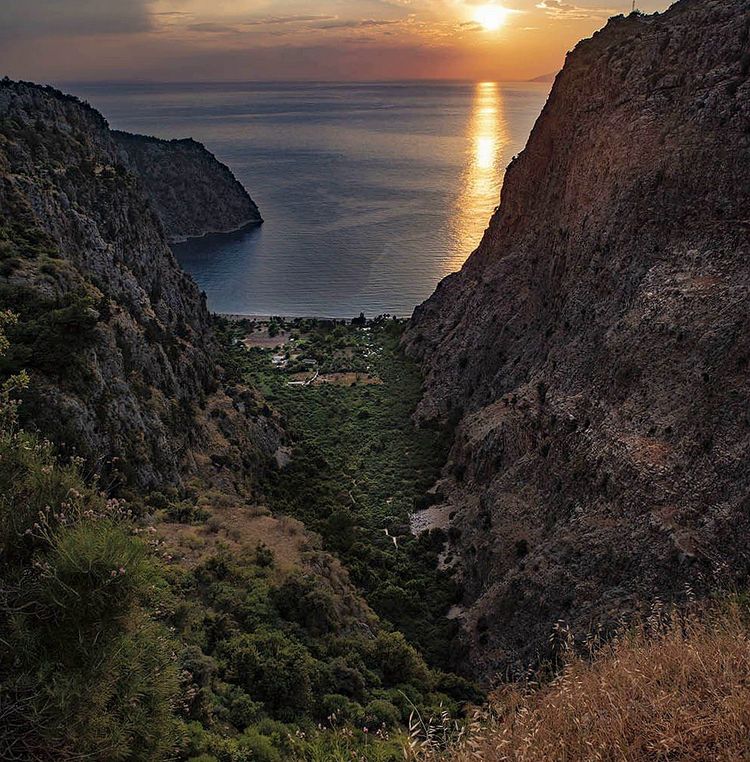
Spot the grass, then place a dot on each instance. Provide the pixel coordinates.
(676, 688)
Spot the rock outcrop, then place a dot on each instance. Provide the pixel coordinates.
(595, 348)
(191, 190)
(117, 339)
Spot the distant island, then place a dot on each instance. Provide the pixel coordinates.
(549, 77)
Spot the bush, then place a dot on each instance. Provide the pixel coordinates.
(339, 708)
(242, 709)
(397, 661)
(95, 574)
(380, 712)
(300, 599)
(261, 747)
(273, 669)
(186, 512)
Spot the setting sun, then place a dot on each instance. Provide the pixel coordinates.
(491, 17)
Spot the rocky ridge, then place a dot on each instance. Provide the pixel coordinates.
(192, 192)
(117, 338)
(595, 347)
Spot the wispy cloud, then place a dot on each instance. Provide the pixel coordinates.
(274, 20)
(561, 9)
(352, 24)
(208, 26)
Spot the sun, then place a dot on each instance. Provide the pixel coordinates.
(491, 17)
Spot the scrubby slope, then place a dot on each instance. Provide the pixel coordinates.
(675, 689)
(116, 337)
(596, 344)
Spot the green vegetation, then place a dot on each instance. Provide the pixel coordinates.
(51, 331)
(360, 467)
(112, 653)
(283, 665)
(269, 660)
(84, 669)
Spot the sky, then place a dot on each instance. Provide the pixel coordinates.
(340, 40)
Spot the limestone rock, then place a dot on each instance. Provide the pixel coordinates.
(595, 347)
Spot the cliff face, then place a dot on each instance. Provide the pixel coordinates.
(192, 192)
(596, 345)
(116, 337)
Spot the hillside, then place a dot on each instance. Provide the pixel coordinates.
(595, 347)
(117, 339)
(160, 597)
(192, 192)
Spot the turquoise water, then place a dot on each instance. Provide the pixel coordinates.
(371, 192)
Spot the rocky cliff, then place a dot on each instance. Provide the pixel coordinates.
(116, 337)
(191, 190)
(595, 347)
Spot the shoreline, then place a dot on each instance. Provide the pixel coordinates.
(251, 223)
(237, 316)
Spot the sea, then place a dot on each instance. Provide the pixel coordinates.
(371, 193)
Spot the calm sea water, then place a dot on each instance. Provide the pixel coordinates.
(371, 192)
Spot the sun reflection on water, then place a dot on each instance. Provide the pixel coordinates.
(480, 190)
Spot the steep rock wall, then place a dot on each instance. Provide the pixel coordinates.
(116, 337)
(595, 347)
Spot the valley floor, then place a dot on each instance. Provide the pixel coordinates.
(327, 566)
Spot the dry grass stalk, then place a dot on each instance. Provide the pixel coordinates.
(677, 688)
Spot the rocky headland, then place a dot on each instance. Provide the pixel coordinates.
(192, 192)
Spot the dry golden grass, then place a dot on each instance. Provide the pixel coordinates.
(348, 378)
(238, 529)
(677, 689)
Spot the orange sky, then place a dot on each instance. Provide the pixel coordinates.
(58, 40)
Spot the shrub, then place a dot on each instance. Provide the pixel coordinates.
(397, 661)
(380, 712)
(340, 708)
(300, 599)
(260, 747)
(273, 669)
(264, 555)
(187, 512)
(242, 709)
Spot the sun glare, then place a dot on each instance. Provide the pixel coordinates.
(491, 17)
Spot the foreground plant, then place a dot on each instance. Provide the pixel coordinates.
(674, 688)
(84, 670)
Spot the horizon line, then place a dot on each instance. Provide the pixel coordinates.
(433, 80)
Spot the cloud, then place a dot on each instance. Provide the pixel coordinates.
(273, 20)
(39, 18)
(561, 9)
(365, 24)
(208, 26)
